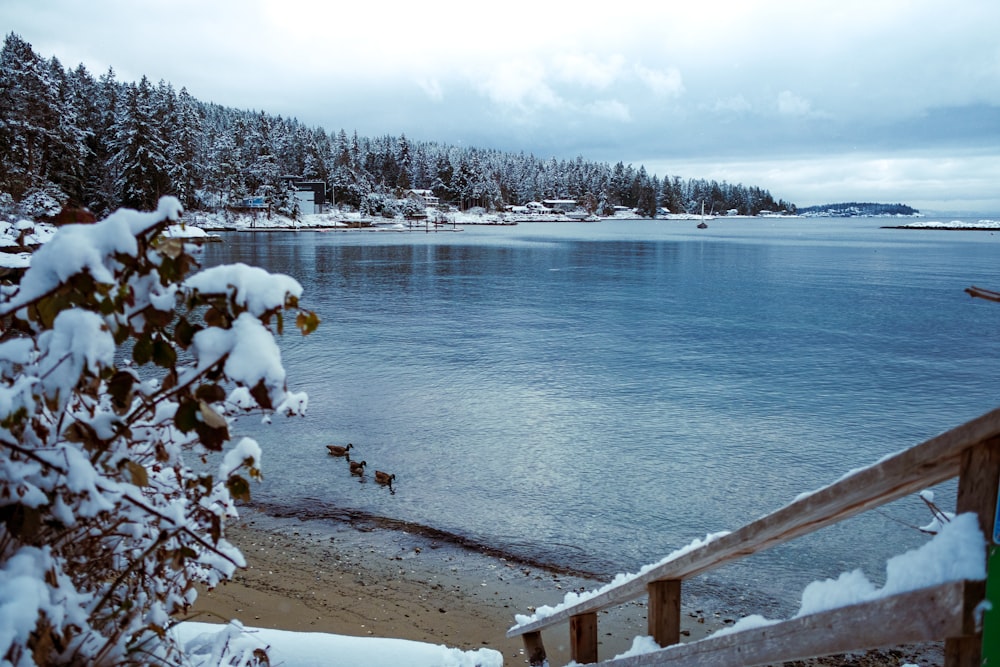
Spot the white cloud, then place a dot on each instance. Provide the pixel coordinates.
(521, 84)
(432, 88)
(790, 104)
(610, 109)
(955, 182)
(589, 70)
(665, 83)
(736, 104)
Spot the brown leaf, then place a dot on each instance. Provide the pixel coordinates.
(172, 248)
(210, 417)
(140, 477)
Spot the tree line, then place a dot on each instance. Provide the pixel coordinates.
(101, 143)
(856, 209)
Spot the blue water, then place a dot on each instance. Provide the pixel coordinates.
(596, 395)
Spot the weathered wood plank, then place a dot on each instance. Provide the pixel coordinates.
(929, 463)
(930, 614)
(977, 493)
(534, 648)
(977, 483)
(583, 638)
(663, 619)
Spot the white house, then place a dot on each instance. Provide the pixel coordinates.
(561, 205)
(537, 207)
(425, 197)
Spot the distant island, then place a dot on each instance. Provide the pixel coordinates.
(856, 210)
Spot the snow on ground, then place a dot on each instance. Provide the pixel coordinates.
(15, 260)
(15, 234)
(185, 232)
(952, 224)
(210, 644)
(347, 218)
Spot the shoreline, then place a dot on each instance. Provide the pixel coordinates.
(314, 576)
(331, 577)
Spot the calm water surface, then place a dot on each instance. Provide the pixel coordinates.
(597, 395)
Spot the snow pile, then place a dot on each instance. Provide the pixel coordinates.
(15, 260)
(185, 232)
(641, 645)
(25, 232)
(956, 553)
(249, 286)
(234, 644)
(20, 235)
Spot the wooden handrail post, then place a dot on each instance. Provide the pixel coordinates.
(583, 637)
(534, 648)
(663, 618)
(977, 492)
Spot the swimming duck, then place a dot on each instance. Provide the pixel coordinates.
(338, 450)
(358, 467)
(384, 478)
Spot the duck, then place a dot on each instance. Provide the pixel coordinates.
(384, 478)
(358, 467)
(338, 450)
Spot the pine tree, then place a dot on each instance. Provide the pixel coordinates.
(86, 94)
(139, 150)
(39, 142)
(223, 175)
(403, 161)
(101, 189)
(67, 148)
(183, 151)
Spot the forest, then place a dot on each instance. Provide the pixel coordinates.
(855, 209)
(99, 143)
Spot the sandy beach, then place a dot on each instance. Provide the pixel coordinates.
(317, 577)
(308, 577)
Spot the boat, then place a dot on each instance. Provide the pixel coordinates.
(702, 224)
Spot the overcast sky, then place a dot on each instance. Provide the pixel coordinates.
(818, 101)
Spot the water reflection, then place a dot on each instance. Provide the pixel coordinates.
(560, 390)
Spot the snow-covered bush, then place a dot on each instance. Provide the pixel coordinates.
(115, 366)
(42, 203)
(8, 208)
(411, 208)
(375, 204)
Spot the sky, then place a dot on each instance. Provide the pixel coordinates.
(819, 102)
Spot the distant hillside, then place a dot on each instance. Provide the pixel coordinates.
(68, 136)
(854, 209)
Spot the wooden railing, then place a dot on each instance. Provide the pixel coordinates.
(970, 452)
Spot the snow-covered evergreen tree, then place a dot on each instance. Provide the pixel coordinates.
(184, 150)
(139, 149)
(136, 142)
(41, 144)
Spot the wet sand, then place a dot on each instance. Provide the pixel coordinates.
(312, 576)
